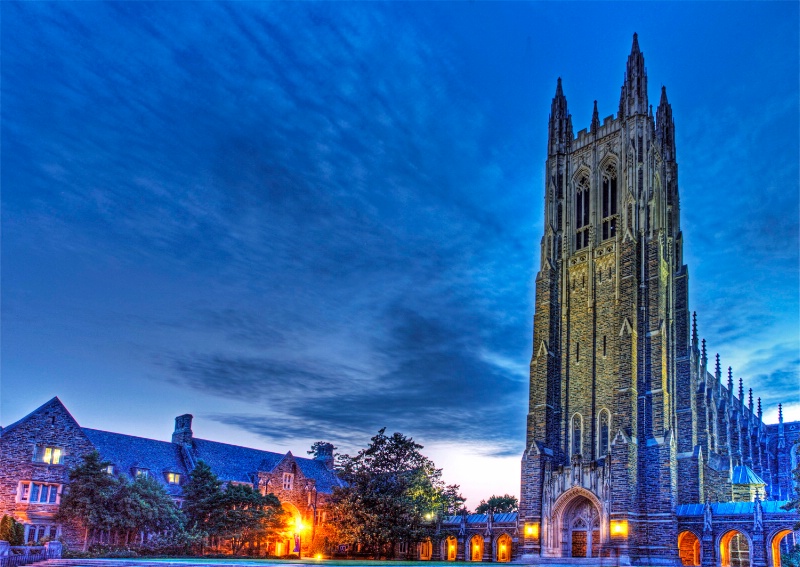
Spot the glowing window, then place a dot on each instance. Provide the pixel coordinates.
(49, 455)
(173, 478)
(288, 481)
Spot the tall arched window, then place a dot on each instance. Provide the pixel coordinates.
(609, 202)
(582, 213)
(604, 431)
(577, 433)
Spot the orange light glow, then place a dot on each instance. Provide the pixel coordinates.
(619, 528)
(532, 530)
(318, 556)
(298, 523)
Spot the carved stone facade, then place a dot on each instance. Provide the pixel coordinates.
(626, 424)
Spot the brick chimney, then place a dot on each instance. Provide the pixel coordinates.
(325, 454)
(183, 430)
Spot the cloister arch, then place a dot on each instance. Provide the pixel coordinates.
(425, 550)
(689, 548)
(449, 548)
(476, 548)
(775, 547)
(734, 549)
(503, 549)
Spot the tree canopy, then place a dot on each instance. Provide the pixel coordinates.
(498, 505)
(393, 494)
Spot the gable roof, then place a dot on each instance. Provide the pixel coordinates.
(49, 403)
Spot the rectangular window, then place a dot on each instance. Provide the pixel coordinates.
(288, 481)
(38, 493)
(604, 345)
(141, 472)
(49, 455)
(110, 469)
(173, 478)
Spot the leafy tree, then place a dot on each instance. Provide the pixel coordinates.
(498, 505)
(12, 531)
(153, 509)
(245, 515)
(392, 493)
(89, 500)
(321, 446)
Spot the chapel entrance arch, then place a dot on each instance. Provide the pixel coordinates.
(476, 548)
(734, 549)
(775, 547)
(503, 553)
(577, 528)
(450, 546)
(689, 548)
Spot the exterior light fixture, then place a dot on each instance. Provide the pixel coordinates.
(619, 528)
(532, 530)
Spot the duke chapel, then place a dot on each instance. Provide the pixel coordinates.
(635, 448)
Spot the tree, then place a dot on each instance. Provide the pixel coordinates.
(12, 531)
(88, 502)
(392, 494)
(498, 505)
(202, 497)
(246, 516)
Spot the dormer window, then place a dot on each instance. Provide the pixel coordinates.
(110, 469)
(49, 455)
(137, 472)
(173, 478)
(582, 213)
(288, 481)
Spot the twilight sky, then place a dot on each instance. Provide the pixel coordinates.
(304, 221)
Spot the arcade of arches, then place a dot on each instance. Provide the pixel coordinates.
(734, 549)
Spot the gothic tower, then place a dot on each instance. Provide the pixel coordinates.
(611, 376)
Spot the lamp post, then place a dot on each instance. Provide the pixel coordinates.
(299, 527)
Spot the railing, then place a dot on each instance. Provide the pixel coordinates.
(27, 554)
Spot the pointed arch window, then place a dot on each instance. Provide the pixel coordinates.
(604, 433)
(582, 213)
(609, 188)
(577, 434)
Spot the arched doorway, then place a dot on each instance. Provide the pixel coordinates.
(581, 529)
(689, 548)
(450, 550)
(734, 549)
(775, 547)
(476, 548)
(290, 544)
(503, 551)
(425, 550)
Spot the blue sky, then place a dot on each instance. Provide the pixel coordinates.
(304, 221)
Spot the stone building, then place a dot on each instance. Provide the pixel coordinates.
(37, 452)
(636, 448)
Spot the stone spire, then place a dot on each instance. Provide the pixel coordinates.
(634, 90)
(781, 435)
(741, 391)
(718, 369)
(595, 119)
(750, 400)
(703, 356)
(730, 382)
(665, 127)
(560, 131)
(759, 409)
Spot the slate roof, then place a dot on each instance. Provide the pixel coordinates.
(506, 518)
(128, 451)
(231, 463)
(744, 475)
(730, 508)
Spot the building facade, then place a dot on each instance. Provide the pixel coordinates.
(37, 452)
(635, 446)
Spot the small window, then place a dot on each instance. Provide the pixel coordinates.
(141, 472)
(288, 481)
(604, 345)
(49, 455)
(577, 352)
(577, 431)
(603, 441)
(173, 478)
(110, 469)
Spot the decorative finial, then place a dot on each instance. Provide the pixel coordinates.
(780, 413)
(635, 46)
(759, 409)
(718, 370)
(703, 352)
(595, 119)
(730, 381)
(694, 328)
(741, 390)
(750, 400)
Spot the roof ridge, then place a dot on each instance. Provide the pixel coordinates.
(126, 435)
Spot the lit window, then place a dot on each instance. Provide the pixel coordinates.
(173, 478)
(49, 455)
(39, 493)
(141, 472)
(288, 481)
(110, 469)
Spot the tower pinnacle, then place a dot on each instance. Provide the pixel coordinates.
(560, 123)
(634, 90)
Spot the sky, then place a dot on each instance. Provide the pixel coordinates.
(308, 221)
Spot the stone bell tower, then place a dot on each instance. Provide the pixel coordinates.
(610, 372)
